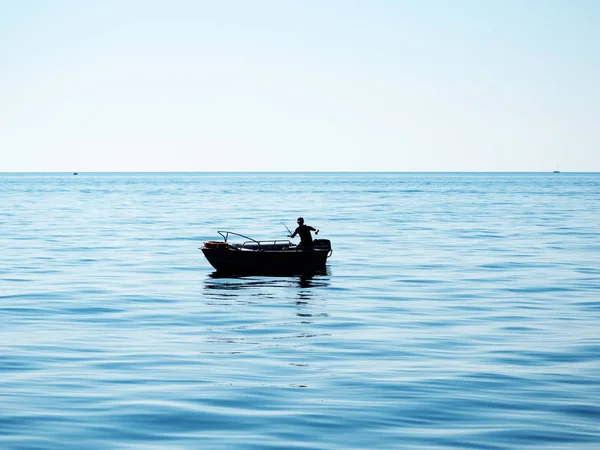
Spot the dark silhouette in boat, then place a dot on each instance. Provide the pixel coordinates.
(306, 240)
(265, 257)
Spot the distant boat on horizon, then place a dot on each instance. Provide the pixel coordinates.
(556, 171)
(75, 173)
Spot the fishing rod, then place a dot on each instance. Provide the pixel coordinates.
(289, 231)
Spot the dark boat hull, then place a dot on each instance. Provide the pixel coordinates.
(236, 261)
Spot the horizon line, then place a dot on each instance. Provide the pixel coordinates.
(282, 172)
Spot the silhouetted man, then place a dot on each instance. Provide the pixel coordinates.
(304, 232)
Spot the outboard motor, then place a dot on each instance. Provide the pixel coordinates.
(322, 244)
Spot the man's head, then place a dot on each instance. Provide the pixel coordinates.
(300, 221)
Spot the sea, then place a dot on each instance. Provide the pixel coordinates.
(457, 311)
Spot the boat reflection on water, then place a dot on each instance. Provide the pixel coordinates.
(272, 310)
(272, 325)
(315, 278)
(252, 288)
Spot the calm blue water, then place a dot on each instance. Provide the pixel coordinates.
(459, 311)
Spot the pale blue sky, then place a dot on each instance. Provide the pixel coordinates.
(278, 85)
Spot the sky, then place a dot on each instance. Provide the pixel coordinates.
(299, 85)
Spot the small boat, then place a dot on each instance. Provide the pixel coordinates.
(265, 257)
